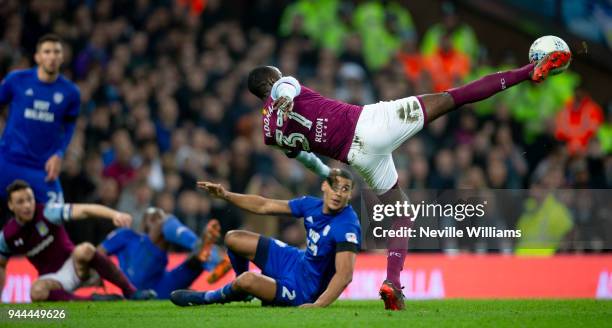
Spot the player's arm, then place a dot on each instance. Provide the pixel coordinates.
(69, 126)
(59, 213)
(283, 91)
(175, 232)
(87, 211)
(311, 162)
(345, 264)
(53, 166)
(252, 203)
(69, 122)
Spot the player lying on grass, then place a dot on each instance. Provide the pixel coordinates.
(304, 123)
(314, 277)
(37, 232)
(143, 257)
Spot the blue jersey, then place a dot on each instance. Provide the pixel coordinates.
(326, 235)
(41, 118)
(141, 261)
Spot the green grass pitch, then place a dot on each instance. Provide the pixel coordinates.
(439, 313)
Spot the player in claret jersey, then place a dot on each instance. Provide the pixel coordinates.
(303, 123)
(37, 232)
(44, 106)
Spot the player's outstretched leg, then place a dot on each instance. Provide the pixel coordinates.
(439, 104)
(248, 283)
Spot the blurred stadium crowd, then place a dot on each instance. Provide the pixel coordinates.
(591, 19)
(164, 103)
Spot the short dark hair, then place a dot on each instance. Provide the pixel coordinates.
(257, 81)
(339, 172)
(50, 37)
(16, 186)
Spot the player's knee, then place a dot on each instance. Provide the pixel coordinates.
(246, 281)
(84, 252)
(39, 291)
(231, 238)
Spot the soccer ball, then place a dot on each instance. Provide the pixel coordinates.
(545, 45)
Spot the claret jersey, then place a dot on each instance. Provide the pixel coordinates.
(317, 124)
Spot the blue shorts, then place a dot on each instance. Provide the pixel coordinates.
(43, 191)
(279, 261)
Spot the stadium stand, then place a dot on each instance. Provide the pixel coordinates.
(164, 101)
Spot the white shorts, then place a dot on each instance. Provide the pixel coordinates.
(68, 278)
(381, 128)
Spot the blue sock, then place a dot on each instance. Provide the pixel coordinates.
(177, 233)
(239, 263)
(222, 295)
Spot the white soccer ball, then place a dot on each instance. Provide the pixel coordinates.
(545, 45)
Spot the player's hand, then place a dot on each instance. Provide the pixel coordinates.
(53, 167)
(121, 219)
(309, 305)
(215, 189)
(284, 105)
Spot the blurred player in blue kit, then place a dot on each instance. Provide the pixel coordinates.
(143, 256)
(314, 277)
(43, 109)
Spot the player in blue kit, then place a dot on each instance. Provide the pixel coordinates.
(44, 106)
(143, 257)
(314, 277)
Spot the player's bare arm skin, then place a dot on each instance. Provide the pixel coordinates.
(86, 211)
(345, 263)
(53, 167)
(252, 203)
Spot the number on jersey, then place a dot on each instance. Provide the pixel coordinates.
(292, 139)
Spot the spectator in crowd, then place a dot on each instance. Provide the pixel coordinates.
(546, 220)
(459, 34)
(578, 122)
